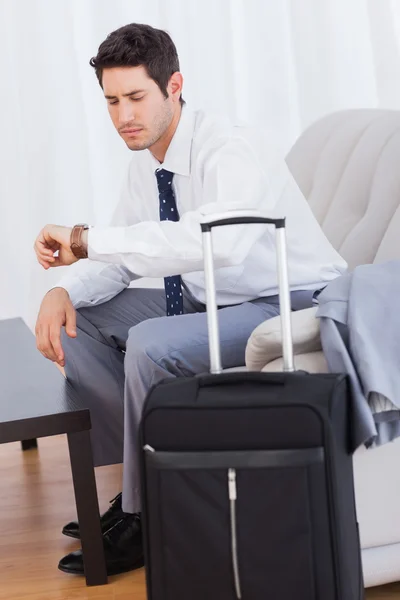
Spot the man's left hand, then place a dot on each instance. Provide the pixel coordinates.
(51, 239)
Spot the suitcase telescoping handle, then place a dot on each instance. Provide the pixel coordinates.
(208, 223)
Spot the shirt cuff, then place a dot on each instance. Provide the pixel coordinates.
(75, 288)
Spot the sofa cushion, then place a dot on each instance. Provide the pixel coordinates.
(312, 362)
(265, 343)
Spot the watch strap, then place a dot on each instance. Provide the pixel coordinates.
(77, 246)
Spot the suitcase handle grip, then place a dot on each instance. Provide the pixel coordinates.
(279, 223)
(272, 379)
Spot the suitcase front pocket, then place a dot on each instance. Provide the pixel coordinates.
(233, 525)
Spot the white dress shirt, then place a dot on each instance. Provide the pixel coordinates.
(218, 167)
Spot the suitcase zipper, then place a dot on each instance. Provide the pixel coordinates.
(232, 497)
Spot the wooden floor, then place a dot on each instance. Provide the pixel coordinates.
(36, 499)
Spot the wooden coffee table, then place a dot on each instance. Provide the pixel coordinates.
(37, 401)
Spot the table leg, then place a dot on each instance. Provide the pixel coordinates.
(87, 506)
(28, 444)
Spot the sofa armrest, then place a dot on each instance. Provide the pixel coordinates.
(265, 343)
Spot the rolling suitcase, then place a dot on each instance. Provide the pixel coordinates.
(247, 478)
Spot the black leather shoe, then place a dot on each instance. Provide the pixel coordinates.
(123, 548)
(110, 517)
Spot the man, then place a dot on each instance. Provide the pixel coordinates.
(114, 342)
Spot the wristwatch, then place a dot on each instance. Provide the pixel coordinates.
(78, 248)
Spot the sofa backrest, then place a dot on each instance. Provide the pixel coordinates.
(348, 167)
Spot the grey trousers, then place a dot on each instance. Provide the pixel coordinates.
(127, 344)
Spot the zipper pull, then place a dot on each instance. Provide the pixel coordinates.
(232, 484)
(148, 448)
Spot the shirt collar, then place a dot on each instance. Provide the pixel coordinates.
(177, 159)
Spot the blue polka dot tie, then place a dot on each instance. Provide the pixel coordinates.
(169, 212)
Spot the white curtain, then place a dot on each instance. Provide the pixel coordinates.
(279, 63)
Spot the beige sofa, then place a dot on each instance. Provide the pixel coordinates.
(348, 167)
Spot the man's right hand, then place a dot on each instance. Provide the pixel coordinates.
(55, 311)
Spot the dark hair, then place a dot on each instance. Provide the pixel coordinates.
(137, 45)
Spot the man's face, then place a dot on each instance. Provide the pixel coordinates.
(139, 110)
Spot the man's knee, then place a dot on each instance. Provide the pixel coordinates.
(145, 341)
(163, 345)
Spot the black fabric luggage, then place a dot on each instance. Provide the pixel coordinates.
(247, 478)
